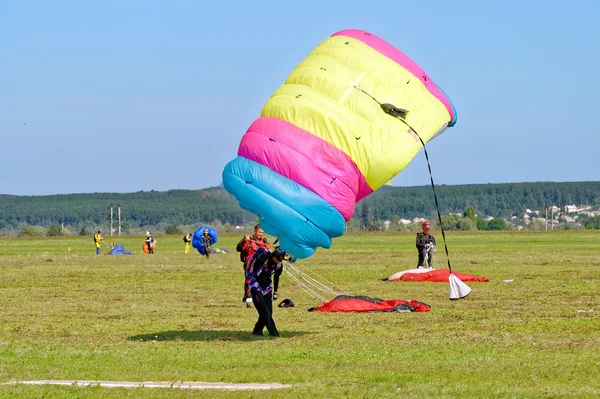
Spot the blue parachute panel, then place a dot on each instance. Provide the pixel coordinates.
(284, 206)
(119, 250)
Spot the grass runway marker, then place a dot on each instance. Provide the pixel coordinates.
(156, 384)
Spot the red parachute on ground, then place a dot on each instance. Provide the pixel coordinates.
(349, 303)
(433, 275)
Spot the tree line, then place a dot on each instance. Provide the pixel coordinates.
(216, 205)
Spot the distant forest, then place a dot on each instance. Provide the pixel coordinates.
(215, 205)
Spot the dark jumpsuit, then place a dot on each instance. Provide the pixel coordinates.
(422, 239)
(260, 268)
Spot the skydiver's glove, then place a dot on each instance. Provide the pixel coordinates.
(275, 296)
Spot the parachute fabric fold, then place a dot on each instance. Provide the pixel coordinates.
(458, 289)
(323, 142)
(118, 250)
(354, 304)
(433, 275)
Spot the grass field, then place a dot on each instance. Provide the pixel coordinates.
(72, 315)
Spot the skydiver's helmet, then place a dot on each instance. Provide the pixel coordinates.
(205, 231)
(426, 226)
(147, 233)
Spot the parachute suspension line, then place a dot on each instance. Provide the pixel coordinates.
(296, 280)
(310, 285)
(400, 114)
(437, 206)
(325, 288)
(309, 280)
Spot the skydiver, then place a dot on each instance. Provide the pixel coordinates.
(187, 239)
(206, 243)
(150, 241)
(247, 246)
(425, 246)
(261, 267)
(98, 241)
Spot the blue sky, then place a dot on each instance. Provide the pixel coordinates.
(122, 96)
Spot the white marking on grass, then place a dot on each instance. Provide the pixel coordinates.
(156, 384)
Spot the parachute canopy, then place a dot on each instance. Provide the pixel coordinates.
(341, 126)
(434, 276)
(145, 246)
(347, 303)
(197, 241)
(119, 250)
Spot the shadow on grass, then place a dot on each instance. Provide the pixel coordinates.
(210, 335)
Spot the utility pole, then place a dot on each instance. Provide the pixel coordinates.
(119, 217)
(552, 224)
(111, 219)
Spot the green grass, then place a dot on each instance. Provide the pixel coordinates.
(73, 315)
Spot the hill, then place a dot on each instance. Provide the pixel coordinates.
(181, 207)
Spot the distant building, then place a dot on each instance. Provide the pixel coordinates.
(570, 208)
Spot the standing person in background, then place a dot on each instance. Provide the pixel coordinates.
(247, 246)
(425, 246)
(187, 239)
(206, 243)
(98, 241)
(150, 241)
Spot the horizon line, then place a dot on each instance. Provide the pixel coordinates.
(221, 186)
